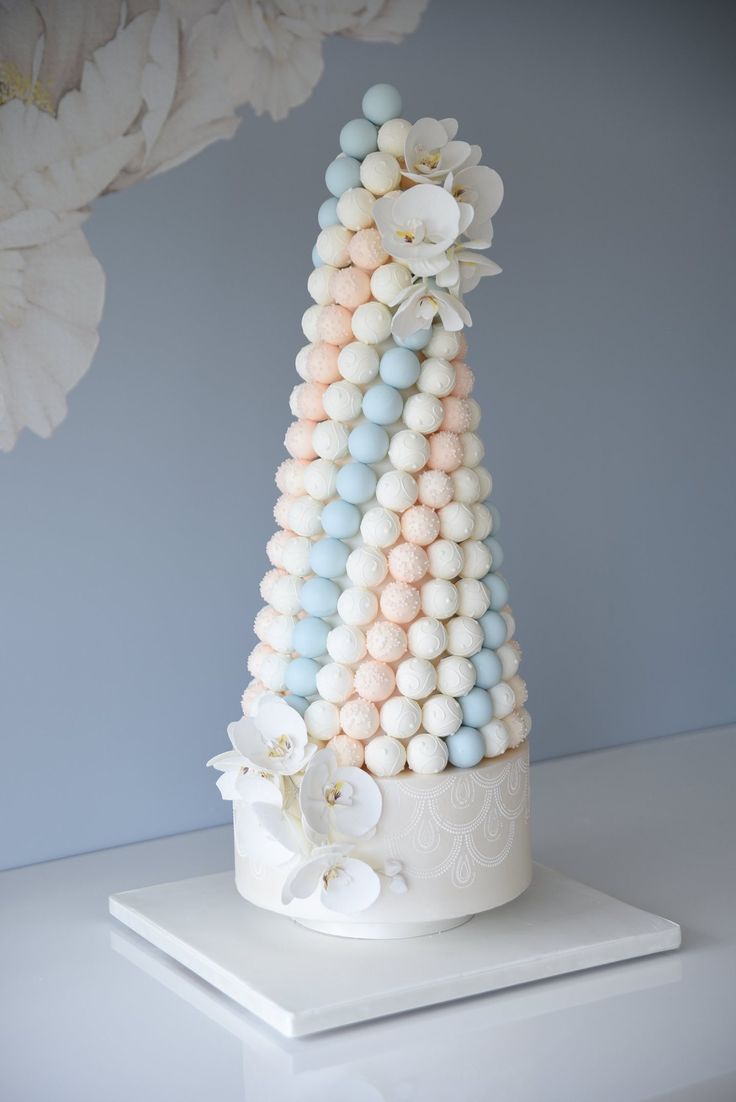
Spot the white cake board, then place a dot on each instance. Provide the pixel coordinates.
(302, 982)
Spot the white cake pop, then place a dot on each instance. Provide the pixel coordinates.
(473, 598)
(441, 715)
(366, 566)
(464, 636)
(456, 521)
(342, 401)
(416, 678)
(388, 281)
(304, 516)
(423, 413)
(455, 675)
(466, 485)
(319, 479)
(503, 698)
(330, 439)
(380, 527)
(380, 173)
(392, 137)
(518, 726)
(509, 655)
(397, 490)
(439, 598)
(477, 559)
(358, 363)
(280, 633)
(346, 644)
(318, 284)
(437, 377)
(385, 756)
(357, 606)
(473, 451)
(442, 343)
(508, 618)
(335, 682)
(372, 322)
(295, 556)
(486, 482)
(408, 451)
(426, 754)
(301, 362)
(496, 738)
(322, 720)
(285, 595)
(355, 208)
(445, 559)
(474, 414)
(310, 321)
(400, 717)
(333, 244)
(520, 690)
(272, 671)
(483, 521)
(427, 638)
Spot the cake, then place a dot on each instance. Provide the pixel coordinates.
(379, 772)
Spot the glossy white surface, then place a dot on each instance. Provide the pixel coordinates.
(300, 982)
(89, 1011)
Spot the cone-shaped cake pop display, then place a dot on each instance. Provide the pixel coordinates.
(379, 771)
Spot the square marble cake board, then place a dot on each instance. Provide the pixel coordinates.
(301, 982)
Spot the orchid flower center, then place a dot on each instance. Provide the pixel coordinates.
(334, 872)
(339, 792)
(280, 747)
(412, 233)
(427, 160)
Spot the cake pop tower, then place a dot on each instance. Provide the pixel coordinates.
(386, 622)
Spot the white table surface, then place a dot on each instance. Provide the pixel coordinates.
(88, 1011)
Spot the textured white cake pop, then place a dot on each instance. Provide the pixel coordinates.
(366, 566)
(310, 321)
(509, 656)
(441, 715)
(518, 726)
(455, 675)
(355, 207)
(346, 644)
(272, 671)
(330, 439)
(473, 451)
(318, 284)
(335, 682)
(464, 636)
(503, 698)
(400, 717)
(392, 137)
(323, 720)
(388, 281)
(333, 244)
(483, 521)
(372, 323)
(280, 633)
(301, 361)
(304, 516)
(509, 620)
(295, 556)
(397, 490)
(380, 173)
(426, 754)
(416, 678)
(439, 598)
(445, 559)
(385, 756)
(408, 451)
(456, 521)
(437, 377)
(486, 482)
(286, 595)
(380, 527)
(477, 559)
(423, 413)
(427, 638)
(342, 401)
(358, 363)
(473, 598)
(496, 738)
(319, 479)
(466, 485)
(357, 606)
(521, 692)
(443, 344)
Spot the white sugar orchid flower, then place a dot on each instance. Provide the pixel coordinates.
(430, 153)
(345, 884)
(482, 188)
(465, 270)
(419, 225)
(337, 801)
(421, 303)
(273, 740)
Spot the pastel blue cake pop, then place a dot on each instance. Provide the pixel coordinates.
(327, 557)
(356, 483)
(317, 260)
(488, 669)
(494, 629)
(495, 518)
(477, 707)
(498, 588)
(415, 341)
(358, 138)
(341, 519)
(399, 367)
(310, 637)
(496, 553)
(301, 676)
(342, 174)
(327, 213)
(297, 702)
(466, 747)
(381, 103)
(319, 597)
(368, 443)
(382, 404)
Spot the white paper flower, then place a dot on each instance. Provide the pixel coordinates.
(419, 225)
(345, 884)
(482, 188)
(274, 739)
(338, 801)
(430, 153)
(421, 303)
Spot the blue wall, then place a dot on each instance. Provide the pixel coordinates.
(132, 541)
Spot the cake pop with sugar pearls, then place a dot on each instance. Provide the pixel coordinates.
(359, 719)
(420, 524)
(408, 562)
(445, 451)
(386, 642)
(366, 250)
(350, 287)
(295, 557)
(399, 602)
(374, 680)
(435, 488)
(348, 751)
(290, 476)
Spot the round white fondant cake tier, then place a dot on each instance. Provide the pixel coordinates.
(457, 840)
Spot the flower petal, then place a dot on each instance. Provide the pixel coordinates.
(354, 888)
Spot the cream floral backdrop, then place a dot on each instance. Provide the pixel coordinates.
(96, 95)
